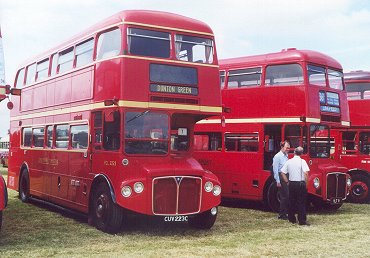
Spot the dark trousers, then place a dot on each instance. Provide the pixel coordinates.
(284, 197)
(297, 201)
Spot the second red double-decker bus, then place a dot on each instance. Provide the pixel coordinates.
(105, 121)
(352, 145)
(294, 95)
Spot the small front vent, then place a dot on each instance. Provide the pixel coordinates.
(329, 118)
(174, 100)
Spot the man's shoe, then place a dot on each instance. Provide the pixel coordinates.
(304, 224)
(283, 217)
(293, 221)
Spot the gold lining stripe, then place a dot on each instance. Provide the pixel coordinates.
(167, 28)
(121, 103)
(256, 120)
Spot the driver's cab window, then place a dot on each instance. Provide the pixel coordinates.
(365, 143)
(296, 135)
(111, 132)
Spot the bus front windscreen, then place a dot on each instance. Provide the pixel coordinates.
(319, 141)
(146, 132)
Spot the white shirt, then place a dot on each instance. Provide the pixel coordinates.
(296, 168)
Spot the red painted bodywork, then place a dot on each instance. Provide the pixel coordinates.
(246, 175)
(124, 79)
(356, 161)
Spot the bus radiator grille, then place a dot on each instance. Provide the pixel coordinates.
(336, 186)
(176, 195)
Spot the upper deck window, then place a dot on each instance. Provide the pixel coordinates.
(148, 43)
(84, 53)
(358, 90)
(65, 60)
(54, 64)
(109, 44)
(244, 78)
(194, 49)
(42, 69)
(20, 79)
(31, 72)
(316, 75)
(335, 79)
(287, 74)
(222, 78)
(173, 74)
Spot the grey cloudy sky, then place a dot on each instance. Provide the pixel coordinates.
(338, 28)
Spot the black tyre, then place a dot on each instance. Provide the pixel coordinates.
(325, 206)
(203, 220)
(24, 186)
(273, 198)
(359, 190)
(107, 216)
(1, 219)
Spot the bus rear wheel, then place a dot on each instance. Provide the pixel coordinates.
(273, 198)
(359, 190)
(107, 216)
(24, 186)
(204, 220)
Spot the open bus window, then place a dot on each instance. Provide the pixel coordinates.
(20, 79)
(84, 53)
(241, 142)
(109, 44)
(26, 137)
(61, 136)
(286, 74)
(319, 141)
(208, 141)
(365, 143)
(148, 43)
(222, 79)
(31, 73)
(194, 49)
(244, 78)
(348, 142)
(65, 60)
(111, 133)
(146, 133)
(79, 136)
(38, 137)
(42, 69)
(316, 75)
(335, 79)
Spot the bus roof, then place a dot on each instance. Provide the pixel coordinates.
(285, 56)
(157, 19)
(357, 76)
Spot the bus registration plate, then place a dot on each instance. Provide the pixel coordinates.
(175, 218)
(336, 200)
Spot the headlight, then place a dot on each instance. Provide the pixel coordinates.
(216, 190)
(208, 187)
(316, 182)
(349, 182)
(138, 187)
(126, 191)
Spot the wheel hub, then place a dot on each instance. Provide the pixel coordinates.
(359, 189)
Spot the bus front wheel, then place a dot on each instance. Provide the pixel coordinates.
(107, 216)
(203, 220)
(359, 191)
(24, 186)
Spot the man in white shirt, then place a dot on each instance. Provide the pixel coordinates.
(298, 175)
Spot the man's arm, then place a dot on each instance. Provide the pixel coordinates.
(275, 166)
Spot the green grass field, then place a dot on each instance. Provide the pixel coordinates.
(34, 230)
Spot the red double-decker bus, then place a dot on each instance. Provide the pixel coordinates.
(105, 121)
(352, 145)
(293, 95)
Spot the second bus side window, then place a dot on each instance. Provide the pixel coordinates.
(241, 142)
(61, 136)
(208, 142)
(79, 136)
